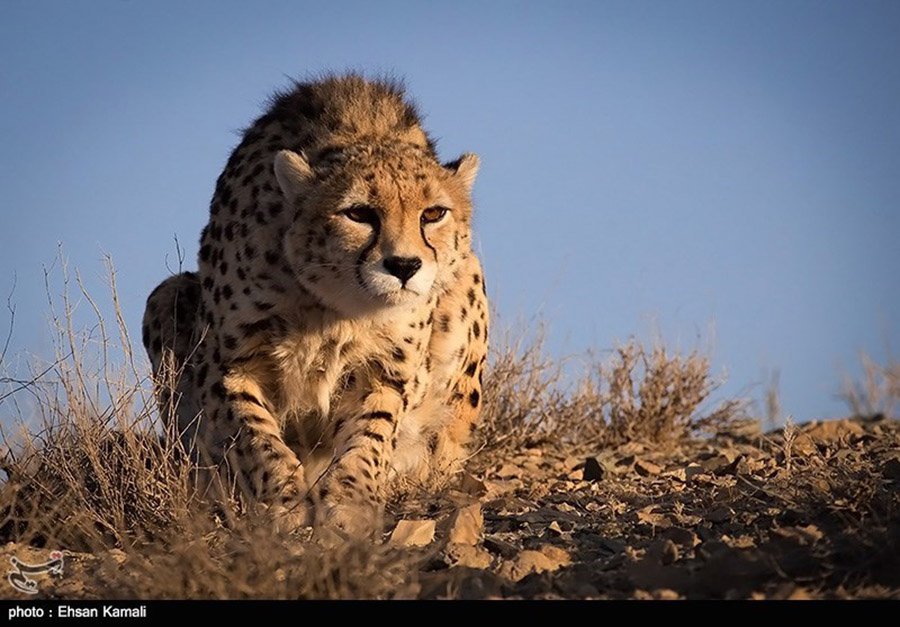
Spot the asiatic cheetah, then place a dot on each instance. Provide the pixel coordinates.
(335, 334)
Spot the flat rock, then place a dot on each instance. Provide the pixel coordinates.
(646, 468)
(558, 555)
(468, 556)
(413, 533)
(466, 525)
(547, 559)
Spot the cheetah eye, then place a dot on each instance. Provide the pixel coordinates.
(433, 214)
(361, 213)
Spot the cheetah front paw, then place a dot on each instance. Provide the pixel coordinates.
(290, 510)
(289, 517)
(348, 517)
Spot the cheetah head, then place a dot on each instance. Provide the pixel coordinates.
(376, 225)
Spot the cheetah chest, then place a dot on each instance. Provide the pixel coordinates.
(314, 368)
(310, 369)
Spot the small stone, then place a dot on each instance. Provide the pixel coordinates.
(664, 550)
(678, 474)
(669, 552)
(468, 556)
(499, 488)
(592, 471)
(682, 536)
(731, 454)
(811, 533)
(692, 471)
(555, 529)
(530, 465)
(747, 466)
(654, 519)
(413, 533)
(574, 475)
(528, 562)
(715, 464)
(509, 471)
(500, 547)
(803, 446)
(631, 448)
(646, 468)
(557, 555)
(525, 563)
(891, 469)
(720, 514)
(470, 484)
(466, 525)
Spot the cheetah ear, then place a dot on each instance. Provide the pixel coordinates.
(466, 167)
(292, 171)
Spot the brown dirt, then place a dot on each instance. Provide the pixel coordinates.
(805, 512)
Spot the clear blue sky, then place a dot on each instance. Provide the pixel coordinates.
(680, 166)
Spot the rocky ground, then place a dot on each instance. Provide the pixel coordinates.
(805, 512)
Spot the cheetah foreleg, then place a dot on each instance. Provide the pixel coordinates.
(270, 470)
(350, 493)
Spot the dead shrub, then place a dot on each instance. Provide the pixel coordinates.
(656, 397)
(878, 392)
(638, 394)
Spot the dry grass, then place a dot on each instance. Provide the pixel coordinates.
(639, 394)
(97, 473)
(95, 470)
(878, 393)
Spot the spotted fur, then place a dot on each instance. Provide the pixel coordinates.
(334, 337)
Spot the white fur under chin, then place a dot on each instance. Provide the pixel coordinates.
(385, 285)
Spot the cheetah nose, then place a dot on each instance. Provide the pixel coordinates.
(403, 267)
